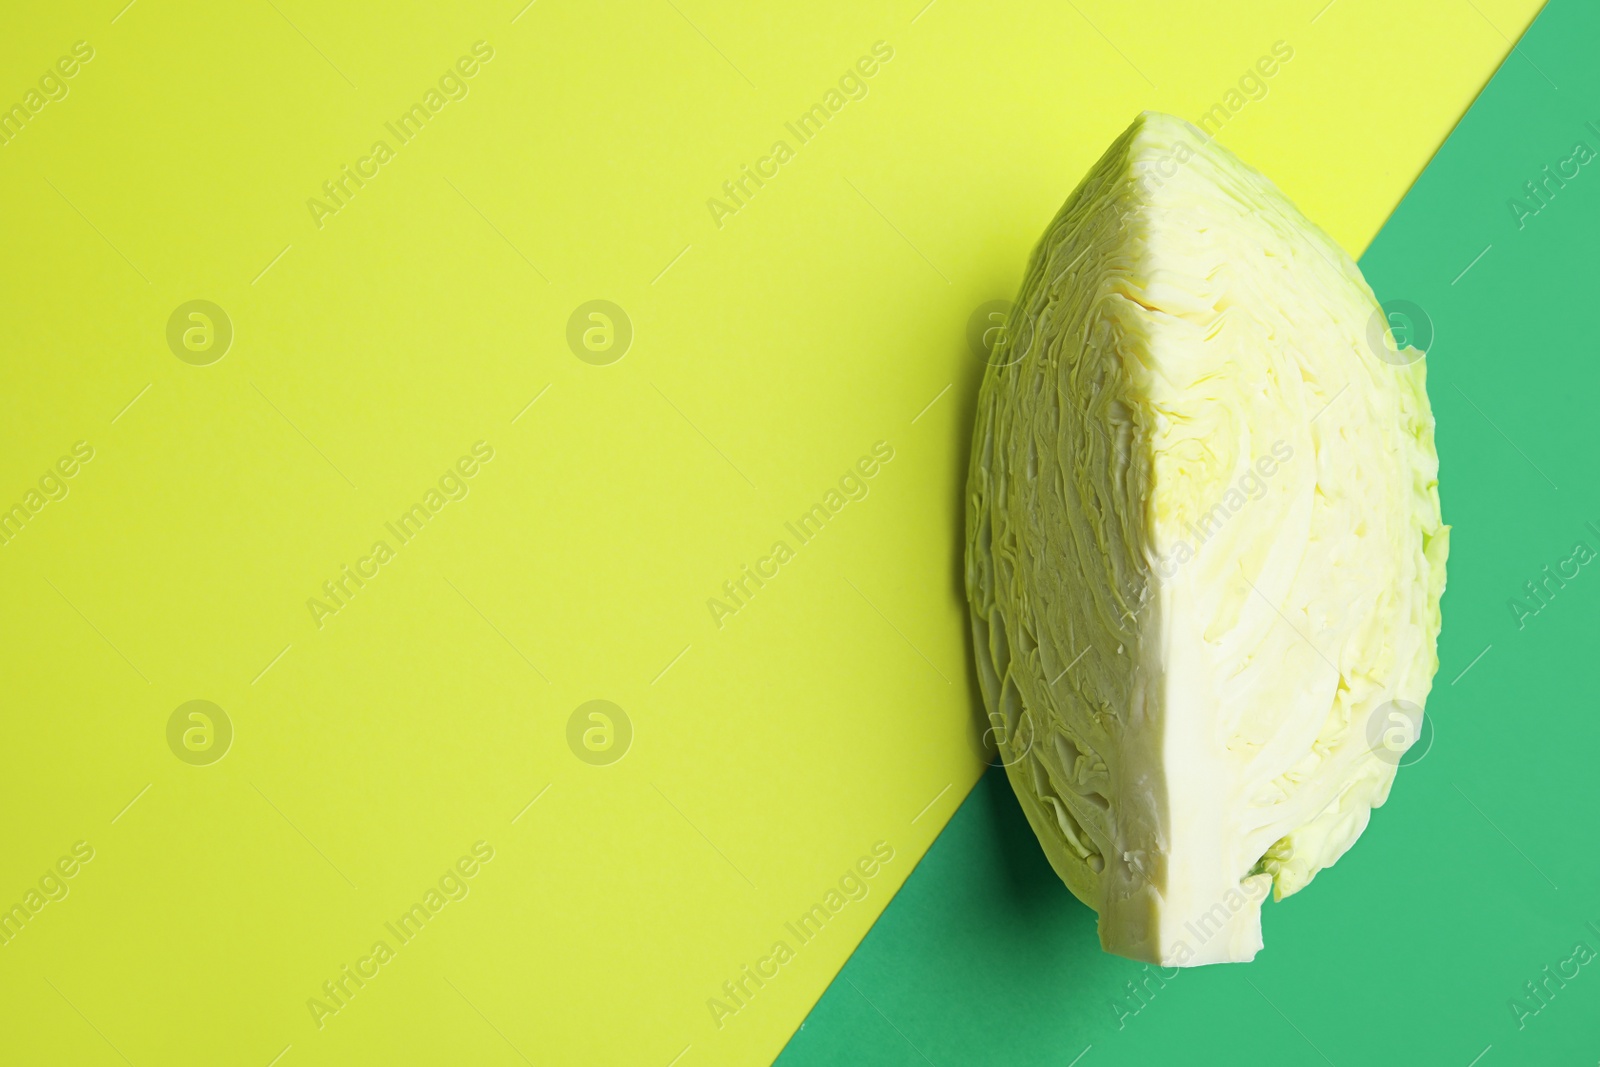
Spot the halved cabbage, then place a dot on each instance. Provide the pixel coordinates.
(1204, 548)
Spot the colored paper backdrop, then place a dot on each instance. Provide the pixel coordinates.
(384, 385)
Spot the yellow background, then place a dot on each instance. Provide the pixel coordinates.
(835, 710)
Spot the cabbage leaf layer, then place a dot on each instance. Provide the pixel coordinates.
(1204, 548)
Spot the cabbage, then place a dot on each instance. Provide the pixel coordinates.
(1204, 549)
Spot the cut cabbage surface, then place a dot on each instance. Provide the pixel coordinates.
(1204, 548)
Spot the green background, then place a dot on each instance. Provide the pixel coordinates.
(1481, 869)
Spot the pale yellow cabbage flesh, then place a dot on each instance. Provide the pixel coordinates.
(1204, 546)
